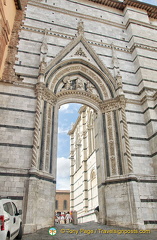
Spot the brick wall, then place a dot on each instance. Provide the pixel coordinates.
(60, 197)
(9, 72)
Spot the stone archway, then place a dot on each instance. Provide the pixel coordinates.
(78, 82)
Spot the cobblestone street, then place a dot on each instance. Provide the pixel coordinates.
(92, 231)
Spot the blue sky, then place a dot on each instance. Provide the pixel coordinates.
(154, 2)
(68, 114)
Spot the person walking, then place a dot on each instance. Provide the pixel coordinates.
(96, 211)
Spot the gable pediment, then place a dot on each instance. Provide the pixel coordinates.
(78, 49)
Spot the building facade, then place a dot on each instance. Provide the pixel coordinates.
(7, 17)
(83, 184)
(62, 201)
(98, 53)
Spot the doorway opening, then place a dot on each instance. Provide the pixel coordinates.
(77, 188)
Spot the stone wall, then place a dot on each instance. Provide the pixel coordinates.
(125, 42)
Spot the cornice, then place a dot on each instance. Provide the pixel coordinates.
(121, 4)
(137, 45)
(143, 24)
(78, 93)
(18, 84)
(113, 104)
(71, 37)
(94, 43)
(71, 131)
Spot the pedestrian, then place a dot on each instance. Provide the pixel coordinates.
(96, 211)
(62, 219)
(68, 218)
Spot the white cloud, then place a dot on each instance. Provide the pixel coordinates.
(63, 173)
(70, 108)
(63, 184)
(64, 107)
(62, 130)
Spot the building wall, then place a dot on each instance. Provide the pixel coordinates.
(7, 16)
(83, 177)
(61, 196)
(133, 34)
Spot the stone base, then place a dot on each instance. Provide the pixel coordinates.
(40, 204)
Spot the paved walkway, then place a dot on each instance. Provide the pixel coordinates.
(91, 231)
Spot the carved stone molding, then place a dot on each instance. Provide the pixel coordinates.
(45, 93)
(126, 140)
(78, 93)
(79, 67)
(113, 104)
(78, 83)
(49, 97)
(36, 138)
(111, 143)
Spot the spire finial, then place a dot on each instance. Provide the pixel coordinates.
(44, 48)
(114, 56)
(80, 27)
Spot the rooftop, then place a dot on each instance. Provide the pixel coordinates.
(62, 191)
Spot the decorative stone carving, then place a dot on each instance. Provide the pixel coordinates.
(48, 137)
(45, 93)
(36, 138)
(111, 143)
(77, 83)
(114, 57)
(113, 104)
(80, 52)
(43, 55)
(49, 97)
(80, 84)
(90, 87)
(42, 67)
(42, 94)
(80, 28)
(86, 71)
(67, 83)
(126, 139)
(44, 48)
(117, 73)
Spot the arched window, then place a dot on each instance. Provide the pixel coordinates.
(65, 204)
(56, 204)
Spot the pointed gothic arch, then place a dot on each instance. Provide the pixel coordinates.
(78, 75)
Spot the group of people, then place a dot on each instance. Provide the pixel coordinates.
(64, 218)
